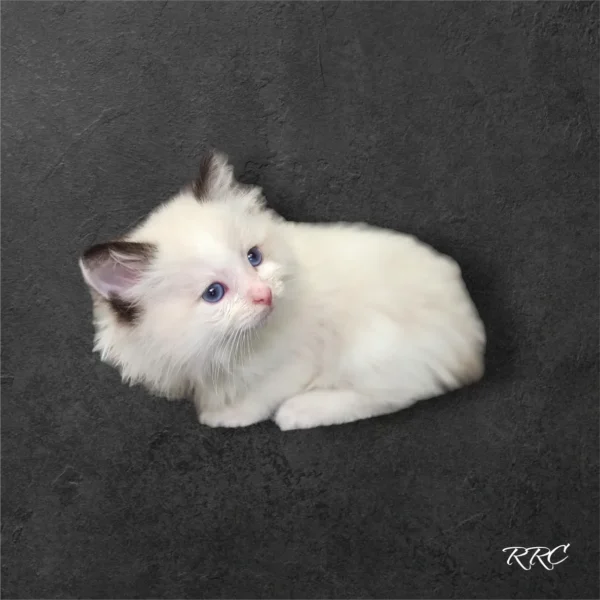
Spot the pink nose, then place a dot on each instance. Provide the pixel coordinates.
(261, 294)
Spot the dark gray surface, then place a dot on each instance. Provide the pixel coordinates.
(474, 126)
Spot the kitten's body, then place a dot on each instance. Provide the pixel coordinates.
(364, 321)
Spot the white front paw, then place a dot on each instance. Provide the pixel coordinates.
(296, 413)
(229, 417)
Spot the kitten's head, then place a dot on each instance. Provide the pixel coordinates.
(190, 284)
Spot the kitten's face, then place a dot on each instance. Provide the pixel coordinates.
(197, 278)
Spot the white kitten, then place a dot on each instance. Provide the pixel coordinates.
(216, 297)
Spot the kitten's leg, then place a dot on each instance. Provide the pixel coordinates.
(258, 404)
(329, 407)
(216, 410)
(237, 415)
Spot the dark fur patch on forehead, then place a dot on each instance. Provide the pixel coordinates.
(200, 184)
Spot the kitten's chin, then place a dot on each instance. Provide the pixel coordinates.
(261, 318)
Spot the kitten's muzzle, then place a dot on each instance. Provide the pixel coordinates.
(260, 293)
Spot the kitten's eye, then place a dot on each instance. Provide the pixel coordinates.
(254, 256)
(214, 292)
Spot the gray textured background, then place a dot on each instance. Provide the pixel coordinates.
(474, 126)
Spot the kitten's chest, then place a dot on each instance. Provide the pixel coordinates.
(312, 347)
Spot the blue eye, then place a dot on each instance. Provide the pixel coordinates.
(214, 292)
(254, 256)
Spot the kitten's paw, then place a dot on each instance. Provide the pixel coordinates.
(328, 407)
(298, 413)
(229, 417)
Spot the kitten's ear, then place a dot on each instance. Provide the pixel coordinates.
(113, 268)
(215, 180)
(215, 175)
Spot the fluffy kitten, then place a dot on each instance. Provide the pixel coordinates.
(216, 297)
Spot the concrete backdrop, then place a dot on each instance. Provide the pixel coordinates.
(471, 125)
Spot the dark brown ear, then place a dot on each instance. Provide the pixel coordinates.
(112, 268)
(214, 176)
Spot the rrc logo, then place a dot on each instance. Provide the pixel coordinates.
(527, 557)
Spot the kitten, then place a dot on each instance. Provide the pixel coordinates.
(216, 297)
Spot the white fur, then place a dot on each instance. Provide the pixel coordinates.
(365, 321)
